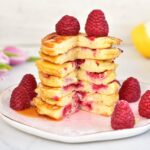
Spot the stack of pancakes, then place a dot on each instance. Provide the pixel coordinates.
(77, 72)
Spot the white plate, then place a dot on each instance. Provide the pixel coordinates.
(78, 128)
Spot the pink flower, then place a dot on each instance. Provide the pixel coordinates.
(16, 56)
(4, 59)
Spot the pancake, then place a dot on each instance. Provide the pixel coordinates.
(54, 44)
(54, 93)
(62, 101)
(97, 108)
(71, 55)
(96, 78)
(98, 103)
(54, 81)
(77, 70)
(98, 54)
(97, 65)
(107, 100)
(108, 89)
(54, 111)
(54, 69)
(97, 42)
(82, 53)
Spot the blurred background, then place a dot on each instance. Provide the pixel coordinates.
(24, 22)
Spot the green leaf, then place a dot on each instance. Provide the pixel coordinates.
(10, 54)
(32, 59)
(5, 66)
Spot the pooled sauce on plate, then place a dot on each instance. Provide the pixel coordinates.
(31, 112)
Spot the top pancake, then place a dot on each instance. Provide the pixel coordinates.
(54, 44)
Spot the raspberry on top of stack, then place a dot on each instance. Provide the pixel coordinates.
(77, 70)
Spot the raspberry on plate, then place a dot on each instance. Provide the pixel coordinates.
(96, 25)
(122, 116)
(20, 99)
(67, 25)
(144, 105)
(29, 83)
(130, 90)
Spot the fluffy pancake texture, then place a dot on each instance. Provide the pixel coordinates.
(97, 42)
(99, 103)
(58, 93)
(54, 111)
(54, 93)
(98, 54)
(82, 53)
(54, 44)
(107, 100)
(91, 65)
(97, 108)
(93, 77)
(55, 69)
(96, 78)
(54, 81)
(106, 89)
(77, 71)
(62, 101)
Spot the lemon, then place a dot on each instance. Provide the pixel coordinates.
(141, 38)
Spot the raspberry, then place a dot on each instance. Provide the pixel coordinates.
(29, 83)
(122, 116)
(130, 90)
(144, 105)
(20, 99)
(67, 110)
(79, 62)
(95, 75)
(67, 25)
(96, 25)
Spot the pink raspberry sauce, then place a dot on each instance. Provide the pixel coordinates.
(97, 87)
(76, 98)
(87, 105)
(72, 108)
(79, 62)
(81, 94)
(67, 110)
(69, 87)
(95, 75)
(79, 85)
(73, 86)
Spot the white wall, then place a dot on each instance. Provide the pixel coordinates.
(24, 22)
